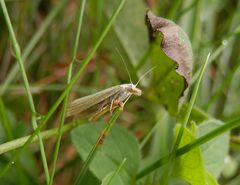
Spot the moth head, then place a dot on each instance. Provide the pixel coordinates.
(134, 90)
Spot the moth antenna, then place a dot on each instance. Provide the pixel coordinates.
(125, 65)
(148, 71)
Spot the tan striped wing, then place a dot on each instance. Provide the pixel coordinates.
(79, 105)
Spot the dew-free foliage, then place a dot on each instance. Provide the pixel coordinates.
(215, 150)
(190, 166)
(119, 144)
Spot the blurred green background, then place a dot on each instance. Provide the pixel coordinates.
(45, 30)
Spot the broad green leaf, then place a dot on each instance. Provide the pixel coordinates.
(119, 144)
(190, 166)
(171, 52)
(215, 150)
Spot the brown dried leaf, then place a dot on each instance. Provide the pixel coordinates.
(175, 43)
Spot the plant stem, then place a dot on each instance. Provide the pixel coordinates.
(17, 143)
(26, 84)
(64, 108)
(116, 172)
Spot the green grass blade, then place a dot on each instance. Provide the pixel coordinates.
(110, 182)
(26, 84)
(191, 103)
(19, 142)
(69, 76)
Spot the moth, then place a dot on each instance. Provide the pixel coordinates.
(105, 100)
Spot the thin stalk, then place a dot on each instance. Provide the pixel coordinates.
(13, 73)
(97, 145)
(17, 143)
(26, 84)
(69, 76)
(185, 121)
(116, 172)
(68, 88)
(186, 148)
(191, 103)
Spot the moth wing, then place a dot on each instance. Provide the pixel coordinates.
(84, 103)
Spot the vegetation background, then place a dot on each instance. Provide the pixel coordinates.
(46, 32)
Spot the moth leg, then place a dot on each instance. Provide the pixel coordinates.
(118, 103)
(98, 114)
(111, 106)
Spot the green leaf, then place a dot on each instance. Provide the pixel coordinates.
(190, 166)
(215, 150)
(171, 52)
(118, 145)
